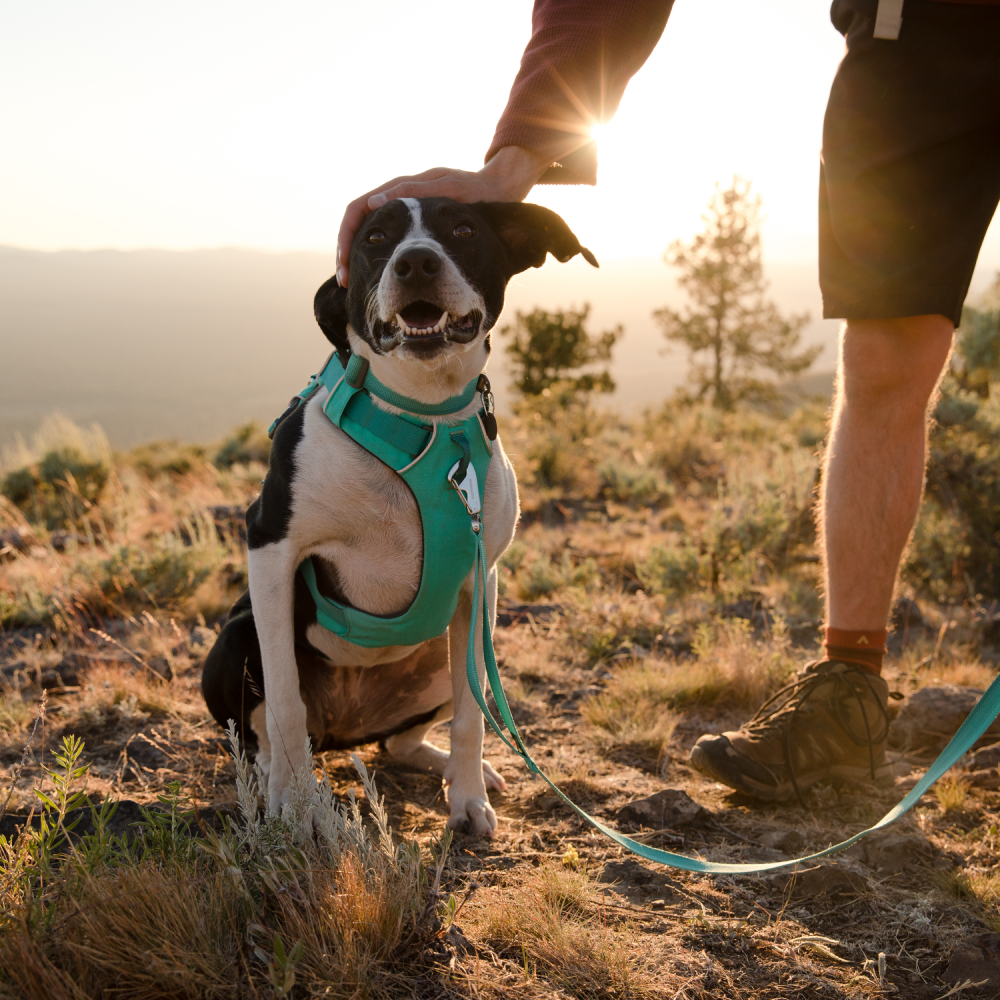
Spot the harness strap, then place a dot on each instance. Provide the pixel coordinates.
(977, 722)
(391, 427)
(451, 405)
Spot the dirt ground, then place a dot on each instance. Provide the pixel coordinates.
(883, 918)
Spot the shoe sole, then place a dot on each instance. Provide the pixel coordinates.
(841, 775)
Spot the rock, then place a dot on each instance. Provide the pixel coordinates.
(987, 757)
(976, 959)
(517, 614)
(669, 808)
(906, 614)
(897, 852)
(987, 778)
(826, 882)
(750, 608)
(202, 638)
(637, 883)
(986, 622)
(930, 717)
(763, 855)
(160, 665)
(17, 540)
(906, 625)
(56, 679)
(62, 540)
(230, 521)
(786, 841)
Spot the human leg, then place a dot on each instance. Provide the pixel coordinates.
(910, 179)
(874, 467)
(831, 725)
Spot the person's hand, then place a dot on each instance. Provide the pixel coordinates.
(509, 176)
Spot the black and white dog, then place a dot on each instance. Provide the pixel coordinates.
(427, 285)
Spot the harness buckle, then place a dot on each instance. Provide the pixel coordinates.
(467, 489)
(489, 407)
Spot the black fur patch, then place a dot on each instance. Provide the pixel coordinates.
(269, 515)
(233, 670)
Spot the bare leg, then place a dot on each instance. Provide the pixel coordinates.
(874, 470)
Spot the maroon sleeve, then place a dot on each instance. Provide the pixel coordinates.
(580, 58)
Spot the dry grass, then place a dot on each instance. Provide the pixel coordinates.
(14, 712)
(952, 793)
(735, 668)
(191, 920)
(977, 888)
(633, 712)
(550, 923)
(731, 668)
(148, 542)
(250, 911)
(126, 689)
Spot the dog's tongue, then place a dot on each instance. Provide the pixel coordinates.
(421, 315)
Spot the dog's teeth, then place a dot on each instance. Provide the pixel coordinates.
(401, 323)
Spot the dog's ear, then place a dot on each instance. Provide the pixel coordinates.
(330, 310)
(529, 232)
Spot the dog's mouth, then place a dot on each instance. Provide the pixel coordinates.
(424, 322)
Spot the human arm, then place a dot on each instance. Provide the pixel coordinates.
(580, 58)
(508, 176)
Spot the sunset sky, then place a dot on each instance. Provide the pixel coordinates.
(251, 124)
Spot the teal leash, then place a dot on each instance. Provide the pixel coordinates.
(977, 722)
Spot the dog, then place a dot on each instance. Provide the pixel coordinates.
(428, 278)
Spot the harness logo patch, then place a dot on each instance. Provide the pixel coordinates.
(468, 488)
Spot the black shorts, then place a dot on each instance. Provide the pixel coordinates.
(910, 170)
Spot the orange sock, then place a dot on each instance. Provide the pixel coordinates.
(865, 648)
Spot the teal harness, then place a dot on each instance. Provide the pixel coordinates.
(445, 467)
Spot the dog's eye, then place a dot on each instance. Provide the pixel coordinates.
(464, 230)
(376, 236)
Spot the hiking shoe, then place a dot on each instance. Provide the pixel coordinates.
(830, 725)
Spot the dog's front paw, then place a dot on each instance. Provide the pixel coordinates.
(472, 814)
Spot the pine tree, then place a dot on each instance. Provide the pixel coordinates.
(546, 348)
(734, 335)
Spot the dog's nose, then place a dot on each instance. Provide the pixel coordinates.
(417, 267)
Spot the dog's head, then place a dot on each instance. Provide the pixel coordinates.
(428, 275)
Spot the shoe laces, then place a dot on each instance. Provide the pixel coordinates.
(782, 709)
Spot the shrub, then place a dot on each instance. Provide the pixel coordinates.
(167, 568)
(675, 571)
(603, 627)
(59, 479)
(169, 458)
(246, 444)
(954, 552)
(59, 490)
(627, 483)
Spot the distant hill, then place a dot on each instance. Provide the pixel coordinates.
(156, 344)
(153, 343)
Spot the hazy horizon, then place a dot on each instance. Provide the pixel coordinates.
(228, 138)
(188, 344)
